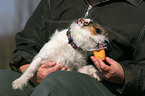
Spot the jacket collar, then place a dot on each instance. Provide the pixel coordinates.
(134, 2)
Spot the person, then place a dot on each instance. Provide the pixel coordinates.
(123, 71)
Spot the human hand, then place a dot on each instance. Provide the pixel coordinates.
(113, 72)
(47, 68)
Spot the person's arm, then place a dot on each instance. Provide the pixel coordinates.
(129, 73)
(135, 71)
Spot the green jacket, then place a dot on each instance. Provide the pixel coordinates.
(124, 20)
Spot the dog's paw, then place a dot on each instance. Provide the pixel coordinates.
(90, 70)
(19, 84)
(96, 76)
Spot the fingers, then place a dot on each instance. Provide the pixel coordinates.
(101, 66)
(64, 68)
(48, 64)
(110, 61)
(96, 63)
(54, 68)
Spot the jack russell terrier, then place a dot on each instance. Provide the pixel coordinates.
(70, 48)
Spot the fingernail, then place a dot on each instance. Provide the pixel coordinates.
(92, 57)
(98, 58)
(107, 57)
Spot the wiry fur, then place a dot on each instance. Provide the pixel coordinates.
(59, 50)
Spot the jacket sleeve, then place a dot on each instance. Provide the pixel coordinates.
(135, 72)
(31, 39)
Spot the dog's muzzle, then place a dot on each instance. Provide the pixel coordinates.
(99, 46)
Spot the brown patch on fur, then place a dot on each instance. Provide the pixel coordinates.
(92, 27)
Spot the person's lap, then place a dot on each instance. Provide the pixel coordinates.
(6, 79)
(59, 83)
(64, 83)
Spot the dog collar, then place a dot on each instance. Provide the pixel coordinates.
(71, 42)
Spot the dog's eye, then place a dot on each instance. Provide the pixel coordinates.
(98, 30)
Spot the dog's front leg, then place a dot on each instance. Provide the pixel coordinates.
(22, 81)
(90, 70)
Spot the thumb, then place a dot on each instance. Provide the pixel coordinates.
(110, 61)
(48, 64)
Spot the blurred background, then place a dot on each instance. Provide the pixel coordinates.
(13, 16)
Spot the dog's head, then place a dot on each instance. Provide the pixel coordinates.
(91, 35)
(94, 28)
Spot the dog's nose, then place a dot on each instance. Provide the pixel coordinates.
(106, 41)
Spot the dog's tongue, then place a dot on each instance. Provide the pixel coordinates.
(100, 46)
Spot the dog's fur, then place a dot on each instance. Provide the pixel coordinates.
(59, 50)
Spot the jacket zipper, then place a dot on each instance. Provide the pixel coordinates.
(89, 8)
(87, 13)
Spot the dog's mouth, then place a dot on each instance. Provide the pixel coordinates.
(99, 46)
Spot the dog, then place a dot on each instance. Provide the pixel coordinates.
(69, 47)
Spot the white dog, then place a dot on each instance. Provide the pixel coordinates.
(68, 47)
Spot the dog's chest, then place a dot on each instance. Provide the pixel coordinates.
(70, 58)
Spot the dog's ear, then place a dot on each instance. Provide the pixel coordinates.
(84, 22)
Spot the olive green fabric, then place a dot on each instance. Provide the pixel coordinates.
(6, 78)
(59, 83)
(66, 83)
